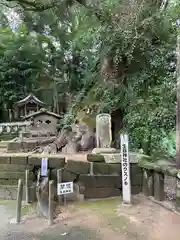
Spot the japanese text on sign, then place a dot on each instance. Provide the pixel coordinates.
(125, 169)
(65, 188)
(125, 164)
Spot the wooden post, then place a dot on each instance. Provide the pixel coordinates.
(59, 180)
(159, 186)
(50, 210)
(148, 182)
(19, 201)
(27, 185)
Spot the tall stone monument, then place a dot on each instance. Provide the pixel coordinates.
(103, 131)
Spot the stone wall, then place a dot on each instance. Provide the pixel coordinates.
(153, 182)
(96, 179)
(28, 144)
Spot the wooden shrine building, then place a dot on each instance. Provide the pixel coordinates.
(26, 106)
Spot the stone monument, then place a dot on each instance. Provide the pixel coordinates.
(104, 138)
(103, 131)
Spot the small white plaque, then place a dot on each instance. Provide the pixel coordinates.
(44, 167)
(64, 188)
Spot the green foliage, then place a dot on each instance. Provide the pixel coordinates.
(20, 65)
(101, 57)
(168, 143)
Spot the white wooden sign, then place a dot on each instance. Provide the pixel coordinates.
(64, 188)
(44, 167)
(126, 183)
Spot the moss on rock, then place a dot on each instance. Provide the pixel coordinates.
(95, 158)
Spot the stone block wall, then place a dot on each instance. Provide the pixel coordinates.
(96, 179)
(153, 183)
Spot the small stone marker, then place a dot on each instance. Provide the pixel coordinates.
(126, 183)
(103, 131)
(44, 167)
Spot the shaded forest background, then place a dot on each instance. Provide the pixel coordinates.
(84, 58)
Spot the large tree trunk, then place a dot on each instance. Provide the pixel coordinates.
(178, 106)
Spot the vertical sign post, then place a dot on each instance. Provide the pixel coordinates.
(126, 183)
(44, 167)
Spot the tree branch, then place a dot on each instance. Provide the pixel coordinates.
(33, 5)
(36, 6)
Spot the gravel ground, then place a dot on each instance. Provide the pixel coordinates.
(58, 233)
(99, 220)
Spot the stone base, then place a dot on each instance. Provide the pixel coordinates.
(104, 150)
(112, 155)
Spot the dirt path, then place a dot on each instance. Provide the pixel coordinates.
(102, 220)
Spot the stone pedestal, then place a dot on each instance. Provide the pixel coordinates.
(148, 182)
(159, 186)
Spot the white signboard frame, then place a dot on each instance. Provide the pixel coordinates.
(64, 188)
(44, 167)
(125, 166)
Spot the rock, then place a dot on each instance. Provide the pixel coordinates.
(75, 196)
(54, 161)
(112, 157)
(106, 169)
(87, 141)
(104, 150)
(70, 148)
(100, 181)
(95, 158)
(115, 157)
(67, 176)
(77, 167)
(5, 158)
(19, 159)
(14, 147)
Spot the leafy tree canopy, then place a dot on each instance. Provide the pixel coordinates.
(99, 56)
